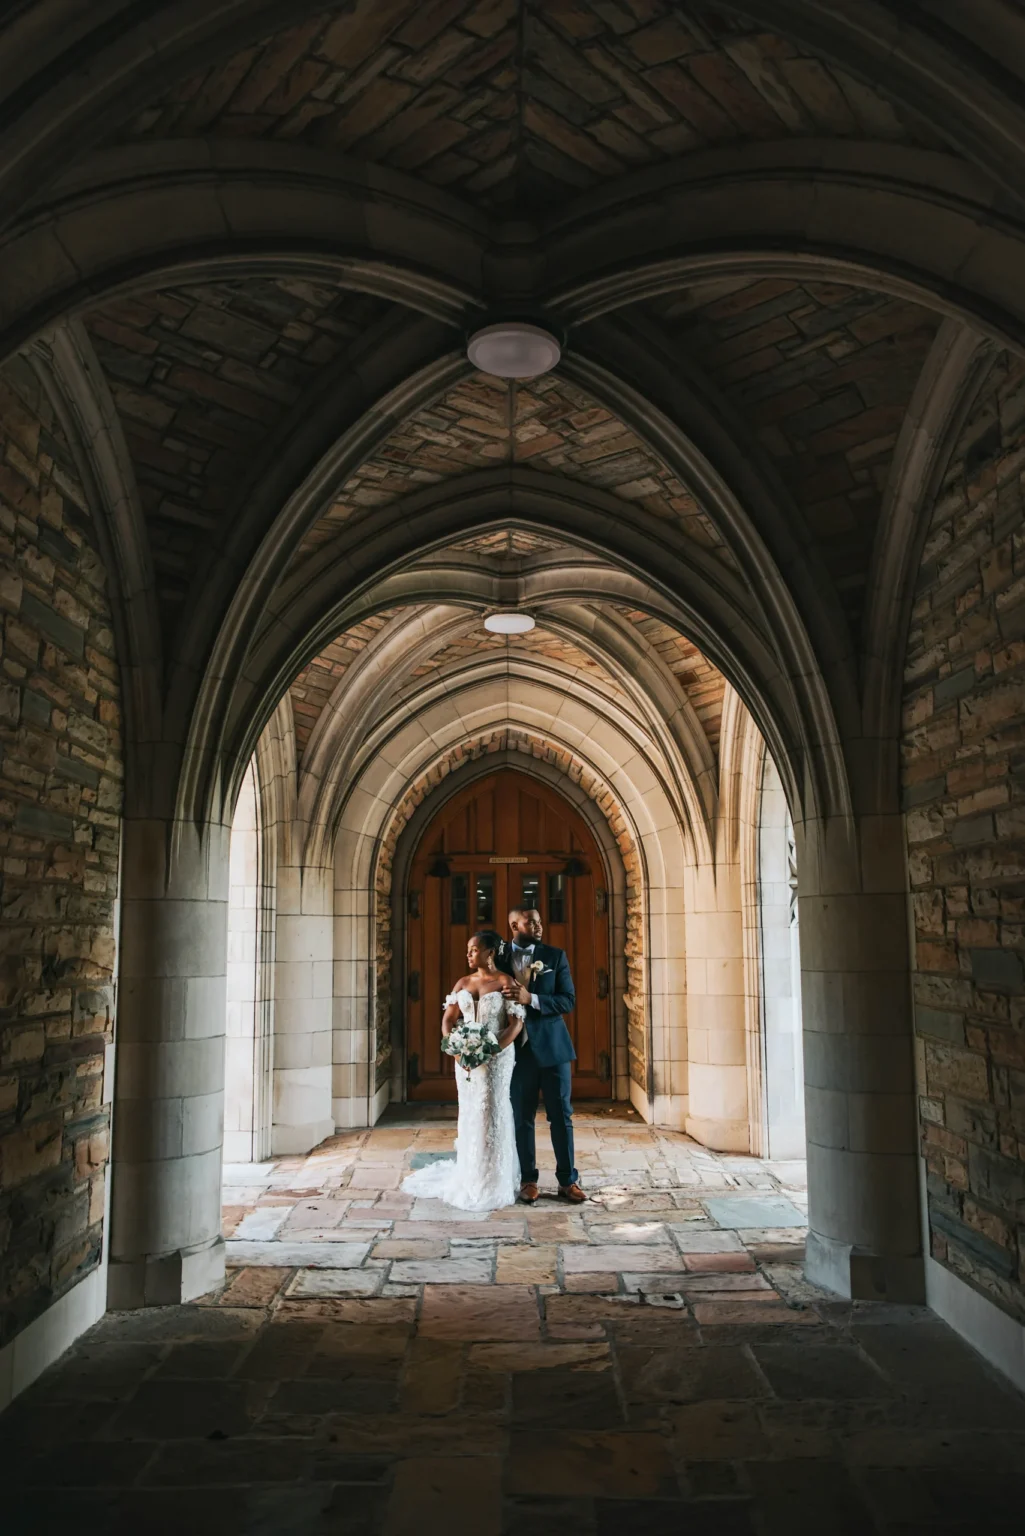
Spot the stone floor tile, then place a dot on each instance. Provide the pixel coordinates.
(453, 1271)
(387, 1136)
(594, 1284)
(320, 1214)
(608, 1258)
(101, 1372)
(776, 1253)
(807, 1370)
(717, 1430)
(636, 1231)
(719, 1263)
(549, 1517)
(624, 1464)
(691, 1239)
(410, 1248)
(394, 1312)
(203, 1463)
(435, 1210)
(177, 1323)
(200, 1359)
(252, 1287)
(336, 1282)
(186, 1410)
(551, 1227)
(715, 1282)
(282, 1351)
(757, 1310)
(472, 1313)
(495, 1231)
(566, 1395)
(538, 1357)
(572, 1332)
(754, 1211)
(74, 1464)
(433, 1376)
(662, 1517)
(364, 1177)
(588, 1309)
(457, 1493)
(684, 1374)
(823, 1491)
(527, 1265)
(295, 1255)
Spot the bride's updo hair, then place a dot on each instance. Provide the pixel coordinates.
(490, 940)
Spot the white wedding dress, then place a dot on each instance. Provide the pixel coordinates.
(485, 1175)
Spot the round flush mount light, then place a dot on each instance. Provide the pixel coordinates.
(513, 350)
(509, 623)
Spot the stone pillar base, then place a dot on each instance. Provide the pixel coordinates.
(290, 1140)
(166, 1281)
(860, 1276)
(719, 1135)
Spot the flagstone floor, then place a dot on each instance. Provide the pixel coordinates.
(651, 1363)
(667, 1220)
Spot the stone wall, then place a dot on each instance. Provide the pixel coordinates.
(60, 801)
(964, 788)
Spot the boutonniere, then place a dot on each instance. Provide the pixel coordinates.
(538, 968)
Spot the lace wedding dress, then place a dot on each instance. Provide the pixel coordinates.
(485, 1174)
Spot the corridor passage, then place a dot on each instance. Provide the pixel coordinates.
(649, 1364)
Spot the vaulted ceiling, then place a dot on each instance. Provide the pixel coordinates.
(515, 103)
(772, 237)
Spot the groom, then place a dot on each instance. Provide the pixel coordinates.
(541, 981)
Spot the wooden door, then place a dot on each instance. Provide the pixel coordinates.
(506, 841)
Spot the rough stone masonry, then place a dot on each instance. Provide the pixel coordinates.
(60, 804)
(964, 792)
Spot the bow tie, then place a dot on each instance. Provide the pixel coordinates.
(523, 949)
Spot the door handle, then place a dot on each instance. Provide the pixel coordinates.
(603, 985)
(413, 987)
(413, 1071)
(604, 1066)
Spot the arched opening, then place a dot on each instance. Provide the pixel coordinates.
(247, 1040)
(506, 841)
(780, 972)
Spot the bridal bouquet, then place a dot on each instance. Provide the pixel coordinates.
(472, 1045)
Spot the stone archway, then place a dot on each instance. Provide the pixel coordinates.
(585, 789)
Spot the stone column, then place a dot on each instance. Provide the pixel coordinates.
(865, 1235)
(716, 1019)
(166, 1243)
(302, 1009)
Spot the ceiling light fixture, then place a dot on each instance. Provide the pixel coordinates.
(513, 350)
(509, 623)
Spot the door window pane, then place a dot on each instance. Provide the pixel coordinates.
(458, 898)
(530, 893)
(485, 900)
(557, 898)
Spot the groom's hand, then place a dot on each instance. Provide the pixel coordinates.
(514, 992)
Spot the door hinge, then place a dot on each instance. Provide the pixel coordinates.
(604, 1066)
(413, 987)
(603, 985)
(601, 902)
(413, 904)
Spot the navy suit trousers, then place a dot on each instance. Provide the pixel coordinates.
(529, 1081)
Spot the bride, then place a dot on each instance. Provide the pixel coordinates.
(485, 1174)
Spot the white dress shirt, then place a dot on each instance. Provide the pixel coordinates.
(522, 953)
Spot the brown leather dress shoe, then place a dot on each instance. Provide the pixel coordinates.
(528, 1193)
(572, 1192)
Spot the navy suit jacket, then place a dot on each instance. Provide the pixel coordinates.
(546, 1028)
